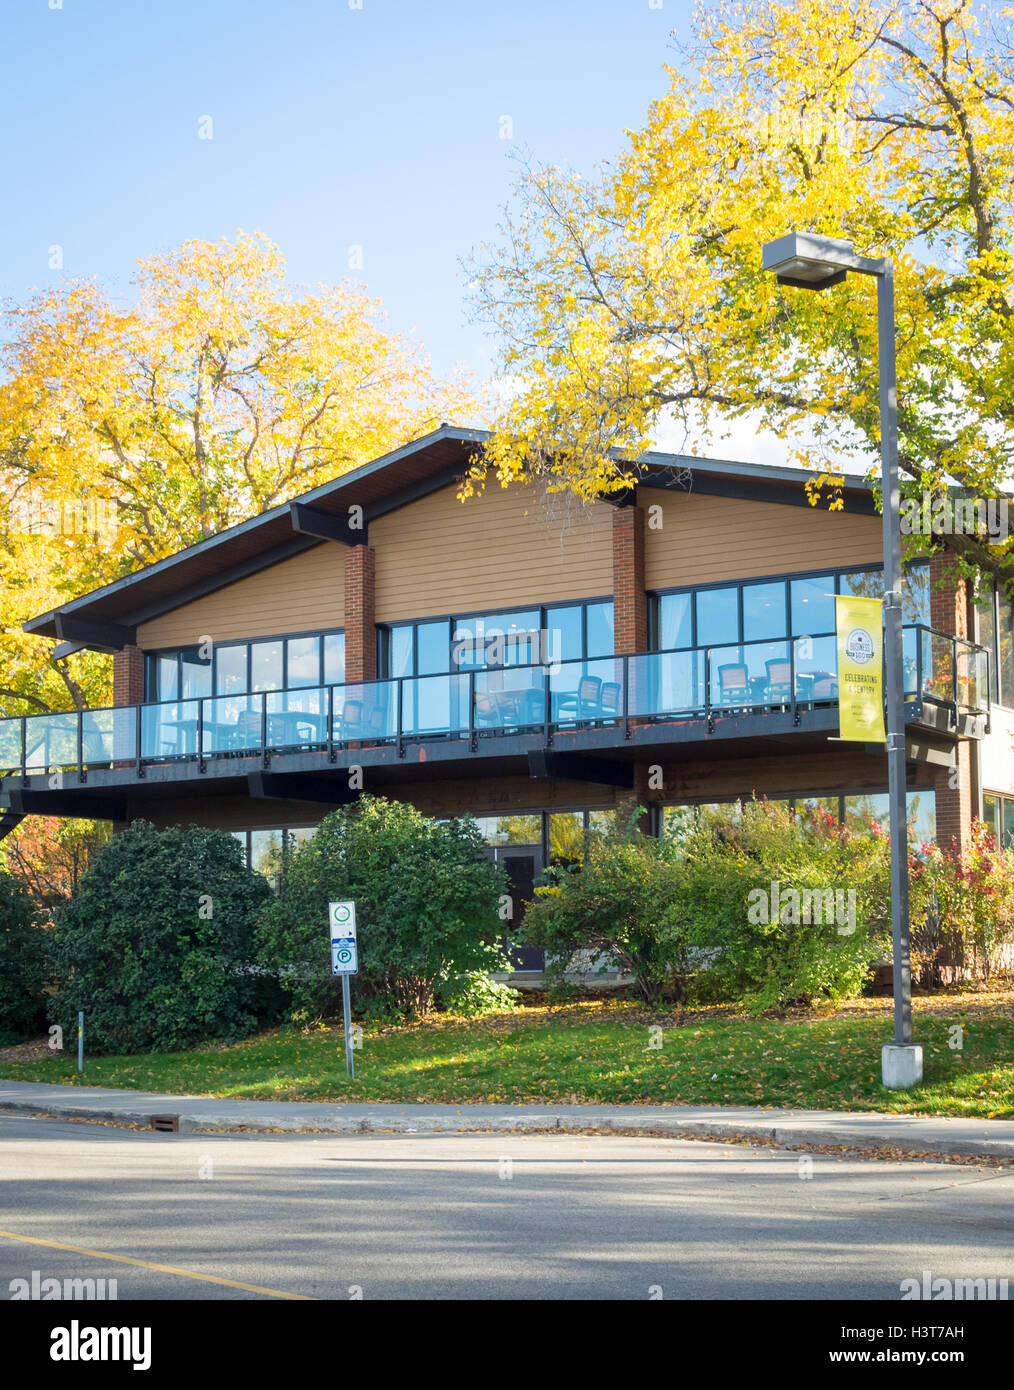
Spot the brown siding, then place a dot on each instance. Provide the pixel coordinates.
(296, 595)
(706, 539)
(439, 555)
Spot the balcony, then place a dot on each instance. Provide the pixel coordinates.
(639, 699)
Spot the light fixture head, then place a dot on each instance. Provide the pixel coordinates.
(809, 262)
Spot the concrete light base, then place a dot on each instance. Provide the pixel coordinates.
(901, 1066)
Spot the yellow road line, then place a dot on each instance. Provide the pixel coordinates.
(163, 1269)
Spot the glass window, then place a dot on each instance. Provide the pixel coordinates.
(303, 662)
(922, 817)
(915, 588)
(863, 584)
(601, 822)
(861, 809)
(812, 605)
(433, 649)
(991, 814)
(195, 676)
(230, 669)
(566, 838)
(265, 665)
(297, 835)
(600, 629)
(167, 678)
(266, 853)
(334, 658)
(401, 660)
(986, 609)
(675, 621)
(240, 835)
(764, 611)
(1008, 821)
(564, 626)
(1005, 656)
(717, 616)
(809, 807)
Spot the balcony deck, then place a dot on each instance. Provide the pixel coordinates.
(590, 720)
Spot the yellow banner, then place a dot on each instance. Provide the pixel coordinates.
(860, 669)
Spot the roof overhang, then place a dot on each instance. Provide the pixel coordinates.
(340, 512)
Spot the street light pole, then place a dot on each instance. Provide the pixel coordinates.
(893, 660)
(817, 263)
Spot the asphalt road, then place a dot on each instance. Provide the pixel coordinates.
(483, 1217)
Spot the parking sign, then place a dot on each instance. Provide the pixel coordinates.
(342, 932)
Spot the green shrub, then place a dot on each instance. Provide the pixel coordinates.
(962, 909)
(621, 902)
(752, 899)
(22, 964)
(427, 912)
(156, 946)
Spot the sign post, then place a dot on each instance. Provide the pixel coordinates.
(344, 962)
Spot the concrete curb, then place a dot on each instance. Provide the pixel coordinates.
(851, 1130)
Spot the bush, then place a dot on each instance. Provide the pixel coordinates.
(22, 964)
(962, 910)
(427, 903)
(748, 902)
(621, 902)
(156, 946)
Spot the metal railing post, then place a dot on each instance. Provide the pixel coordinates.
(793, 707)
(137, 740)
(331, 755)
(626, 695)
(707, 689)
(80, 747)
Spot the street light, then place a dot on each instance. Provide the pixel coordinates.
(813, 262)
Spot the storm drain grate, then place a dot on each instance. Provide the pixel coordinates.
(169, 1123)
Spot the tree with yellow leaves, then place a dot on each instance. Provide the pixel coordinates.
(637, 294)
(128, 433)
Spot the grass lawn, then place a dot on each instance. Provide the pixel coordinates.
(601, 1052)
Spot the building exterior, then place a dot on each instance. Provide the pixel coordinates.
(533, 661)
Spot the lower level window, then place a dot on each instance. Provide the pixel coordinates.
(267, 850)
(855, 809)
(998, 812)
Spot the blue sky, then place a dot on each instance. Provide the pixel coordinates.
(333, 127)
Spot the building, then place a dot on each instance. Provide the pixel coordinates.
(533, 662)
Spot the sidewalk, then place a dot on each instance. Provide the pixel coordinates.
(992, 1139)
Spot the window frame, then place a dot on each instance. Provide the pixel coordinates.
(832, 573)
(153, 655)
(452, 619)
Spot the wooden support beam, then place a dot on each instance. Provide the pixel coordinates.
(574, 767)
(300, 786)
(327, 526)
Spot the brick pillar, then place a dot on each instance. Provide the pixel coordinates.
(630, 605)
(630, 620)
(949, 612)
(360, 610)
(128, 689)
(128, 676)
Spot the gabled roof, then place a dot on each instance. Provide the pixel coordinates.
(107, 618)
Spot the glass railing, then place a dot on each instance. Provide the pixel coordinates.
(712, 682)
